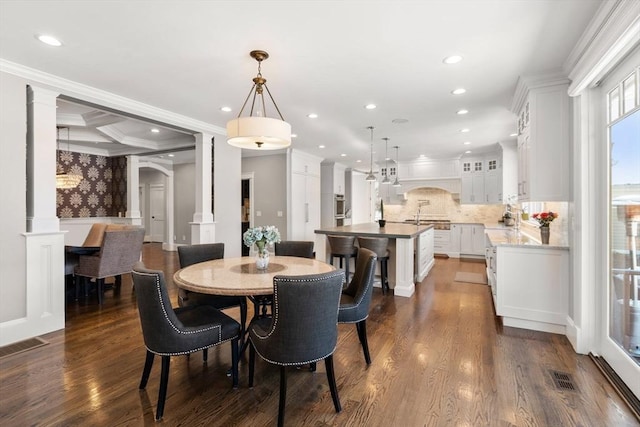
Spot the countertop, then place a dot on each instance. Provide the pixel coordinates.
(510, 237)
(371, 229)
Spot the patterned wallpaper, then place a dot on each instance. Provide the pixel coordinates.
(102, 192)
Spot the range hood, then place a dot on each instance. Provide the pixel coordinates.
(452, 185)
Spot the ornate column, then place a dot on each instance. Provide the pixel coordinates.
(41, 160)
(133, 198)
(203, 227)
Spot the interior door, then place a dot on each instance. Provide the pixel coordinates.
(156, 210)
(620, 302)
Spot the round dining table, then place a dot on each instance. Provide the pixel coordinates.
(240, 277)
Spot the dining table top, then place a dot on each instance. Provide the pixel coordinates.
(239, 276)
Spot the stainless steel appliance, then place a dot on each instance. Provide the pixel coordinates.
(340, 206)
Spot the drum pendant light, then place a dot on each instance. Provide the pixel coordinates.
(259, 132)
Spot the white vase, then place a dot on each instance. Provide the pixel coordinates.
(262, 258)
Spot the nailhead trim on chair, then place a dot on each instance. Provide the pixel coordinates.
(275, 318)
(164, 312)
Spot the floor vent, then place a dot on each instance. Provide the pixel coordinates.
(21, 346)
(563, 381)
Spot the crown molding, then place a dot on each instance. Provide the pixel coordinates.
(536, 81)
(102, 98)
(612, 33)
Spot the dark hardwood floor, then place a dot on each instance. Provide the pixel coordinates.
(439, 359)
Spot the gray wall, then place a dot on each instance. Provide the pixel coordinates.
(13, 130)
(184, 178)
(270, 189)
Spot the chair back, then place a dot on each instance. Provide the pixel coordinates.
(305, 315)
(297, 248)
(118, 254)
(157, 318)
(342, 245)
(96, 233)
(193, 254)
(360, 288)
(376, 244)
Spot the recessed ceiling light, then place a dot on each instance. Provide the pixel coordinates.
(467, 152)
(358, 161)
(514, 134)
(171, 155)
(458, 91)
(343, 155)
(453, 59)
(461, 112)
(154, 130)
(294, 135)
(50, 40)
(399, 121)
(312, 116)
(370, 106)
(465, 130)
(467, 143)
(225, 109)
(320, 146)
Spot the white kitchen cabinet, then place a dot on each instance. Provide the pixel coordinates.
(531, 286)
(472, 188)
(454, 240)
(303, 213)
(542, 105)
(424, 254)
(441, 241)
(472, 242)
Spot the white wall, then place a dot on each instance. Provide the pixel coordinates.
(13, 130)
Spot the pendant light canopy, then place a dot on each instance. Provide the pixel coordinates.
(396, 183)
(259, 132)
(386, 179)
(371, 176)
(66, 180)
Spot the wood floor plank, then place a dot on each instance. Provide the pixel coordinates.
(439, 359)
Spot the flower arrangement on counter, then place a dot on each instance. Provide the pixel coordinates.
(545, 218)
(261, 236)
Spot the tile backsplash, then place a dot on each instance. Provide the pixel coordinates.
(440, 204)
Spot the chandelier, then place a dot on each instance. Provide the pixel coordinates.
(259, 132)
(65, 180)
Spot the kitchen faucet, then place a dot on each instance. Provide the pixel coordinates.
(420, 205)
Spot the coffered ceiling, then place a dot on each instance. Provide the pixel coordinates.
(330, 58)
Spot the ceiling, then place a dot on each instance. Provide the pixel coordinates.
(326, 57)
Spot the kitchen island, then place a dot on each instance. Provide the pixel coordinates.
(410, 250)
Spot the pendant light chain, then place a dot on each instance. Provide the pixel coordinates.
(371, 176)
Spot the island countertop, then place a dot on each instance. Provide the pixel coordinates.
(372, 229)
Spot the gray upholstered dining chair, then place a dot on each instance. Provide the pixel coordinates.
(171, 332)
(298, 248)
(120, 249)
(302, 330)
(193, 254)
(356, 297)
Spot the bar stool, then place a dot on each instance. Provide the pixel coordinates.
(342, 247)
(379, 246)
